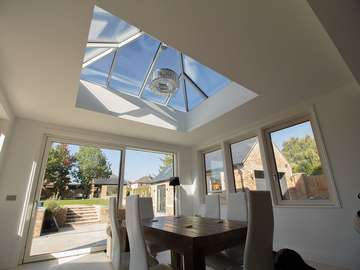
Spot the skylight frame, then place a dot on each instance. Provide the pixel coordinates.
(184, 76)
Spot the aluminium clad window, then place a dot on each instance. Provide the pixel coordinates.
(247, 165)
(297, 165)
(214, 171)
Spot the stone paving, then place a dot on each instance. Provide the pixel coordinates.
(70, 238)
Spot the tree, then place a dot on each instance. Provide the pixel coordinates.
(58, 169)
(303, 156)
(91, 164)
(167, 161)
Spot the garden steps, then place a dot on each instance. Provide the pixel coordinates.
(77, 214)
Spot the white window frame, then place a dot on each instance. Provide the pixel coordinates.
(272, 170)
(47, 140)
(35, 192)
(203, 169)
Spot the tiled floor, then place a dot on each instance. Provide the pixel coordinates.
(95, 261)
(99, 261)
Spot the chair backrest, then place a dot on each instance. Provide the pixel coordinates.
(138, 253)
(259, 239)
(212, 206)
(237, 206)
(146, 208)
(115, 233)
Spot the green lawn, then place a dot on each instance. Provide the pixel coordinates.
(80, 202)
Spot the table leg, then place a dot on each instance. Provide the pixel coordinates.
(176, 261)
(194, 260)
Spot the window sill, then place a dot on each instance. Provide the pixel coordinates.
(306, 204)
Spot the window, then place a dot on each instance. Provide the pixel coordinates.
(75, 188)
(2, 140)
(121, 57)
(214, 171)
(247, 165)
(145, 174)
(161, 198)
(297, 167)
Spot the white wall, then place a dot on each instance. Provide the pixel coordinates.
(321, 234)
(26, 147)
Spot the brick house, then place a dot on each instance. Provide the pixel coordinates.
(248, 166)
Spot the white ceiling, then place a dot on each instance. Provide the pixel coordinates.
(278, 49)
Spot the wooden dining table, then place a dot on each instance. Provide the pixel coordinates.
(193, 237)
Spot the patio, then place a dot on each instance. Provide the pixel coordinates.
(70, 238)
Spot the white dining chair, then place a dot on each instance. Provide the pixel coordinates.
(212, 206)
(237, 210)
(146, 207)
(147, 212)
(231, 258)
(237, 206)
(138, 252)
(259, 238)
(119, 260)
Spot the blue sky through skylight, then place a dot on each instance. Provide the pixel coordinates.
(127, 69)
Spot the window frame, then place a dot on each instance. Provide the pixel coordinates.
(203, 153)
(239, 140)
(272, 168)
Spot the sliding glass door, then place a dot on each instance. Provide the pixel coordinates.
(70, 210)
(147, 173)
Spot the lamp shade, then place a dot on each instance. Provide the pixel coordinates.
(174, 181)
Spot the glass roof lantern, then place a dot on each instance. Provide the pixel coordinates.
(123, 58)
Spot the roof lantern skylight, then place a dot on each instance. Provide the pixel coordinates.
(123, 58)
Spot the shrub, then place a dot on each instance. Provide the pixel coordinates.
(51, 206)
(54, 209)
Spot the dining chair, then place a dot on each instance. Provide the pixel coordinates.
(146, 207)
(231, 258)
(237, 206)
(138, 252)
(119, 260)
(147, 212)
(212, 206)
(258, 253)
(237, 210)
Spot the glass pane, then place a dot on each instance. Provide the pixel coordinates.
(247, 165)
(144, 172)
(132, 63)
(207, 79)
(194, 97)
(106, 27)
(72, 211)
(214, 171)
(151, 96)
(98, 71)
(92, 52)
(168, 58)
(177, 101)
(298, 163)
